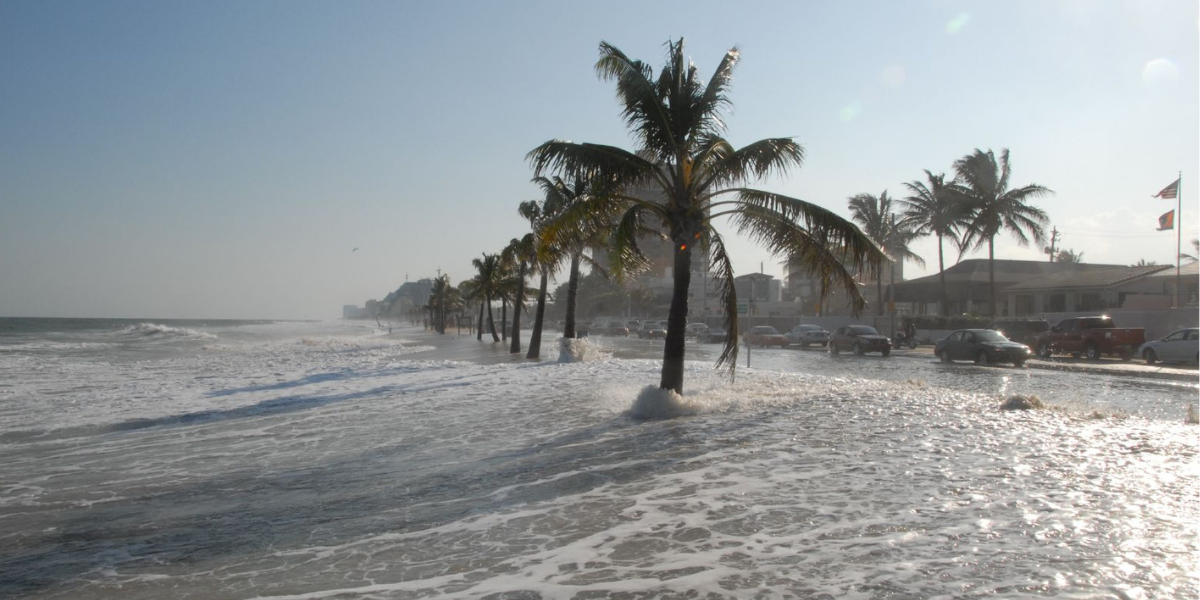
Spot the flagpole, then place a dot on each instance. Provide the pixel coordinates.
(1178, 241)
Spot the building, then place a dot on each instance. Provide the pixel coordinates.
(968, 290)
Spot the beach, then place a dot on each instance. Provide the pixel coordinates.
(331, 460)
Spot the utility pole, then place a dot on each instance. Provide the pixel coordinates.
(1053, 249)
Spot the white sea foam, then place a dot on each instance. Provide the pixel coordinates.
(340, 469)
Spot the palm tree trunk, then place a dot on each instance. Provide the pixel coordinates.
(879, 288)
(535, 337)
(943, 309)
(518, 304)
(992, 275)
(479, 330)
(491, 321)
(504, 317)
(572, 294)
(673, 351)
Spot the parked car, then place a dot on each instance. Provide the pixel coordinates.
(653, 330)
(984, 346)
(695, 330)
(805, 334)
(1092, 337)
(715, 335)
(613, 328)
(1180, 346)
(765, 335)
(1022, 331)
(860, 339)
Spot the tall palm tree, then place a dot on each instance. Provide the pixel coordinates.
(878, 220)
(485, 286)
(983, 183)
(931, 209)
(698, 177)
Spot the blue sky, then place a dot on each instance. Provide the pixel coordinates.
(222, 159)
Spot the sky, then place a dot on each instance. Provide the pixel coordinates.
(225, 159)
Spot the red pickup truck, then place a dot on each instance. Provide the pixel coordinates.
(1091, 337)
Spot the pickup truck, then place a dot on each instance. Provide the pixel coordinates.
(1091, 337)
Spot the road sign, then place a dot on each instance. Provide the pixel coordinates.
(743, 308)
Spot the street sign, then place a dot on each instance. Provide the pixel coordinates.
(743, 308)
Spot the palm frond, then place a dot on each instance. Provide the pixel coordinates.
(625, 255)
(588, 162)
(755, 161)
(719, 258)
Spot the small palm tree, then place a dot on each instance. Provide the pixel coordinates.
(485, 286)
(983, 183)
(696, 177)
(878, 220)
(930, 209)
(537, 213)
(1195, 248)
(1069, 256)
(522, 252)
(570, 243)
(442, 299)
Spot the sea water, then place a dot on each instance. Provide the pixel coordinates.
(156, 459)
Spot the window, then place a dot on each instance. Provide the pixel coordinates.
(1056, 303)
(1025, 305)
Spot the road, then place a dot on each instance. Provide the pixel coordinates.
(1110, 387)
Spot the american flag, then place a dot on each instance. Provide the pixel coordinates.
(1171, 191)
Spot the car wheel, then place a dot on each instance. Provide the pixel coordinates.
(803, 344)
(1127, 355)
(1093, 352)
(1044, 351)
(1150, 356)
(857, 349)
(886, 352)
(945, 356)
(823, 344)
(833, 349)
(1018, 363)
(982, 358)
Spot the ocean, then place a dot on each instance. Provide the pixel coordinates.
(330, 460)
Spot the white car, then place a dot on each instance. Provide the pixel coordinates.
(803, 335)
(695, 330)
(1180, 346)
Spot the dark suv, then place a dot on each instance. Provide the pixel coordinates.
(1022, 331)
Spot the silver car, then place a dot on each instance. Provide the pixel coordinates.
(1180, 346)
(803, 335)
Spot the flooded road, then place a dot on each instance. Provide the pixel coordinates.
(1148, 398)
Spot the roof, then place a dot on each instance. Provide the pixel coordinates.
(1191, 269)
(1007, 271)
(1099, 278)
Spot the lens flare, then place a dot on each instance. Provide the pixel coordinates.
(850, 111)
(957, 23)
(1160, 73)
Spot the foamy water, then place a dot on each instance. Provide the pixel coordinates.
(316, 463)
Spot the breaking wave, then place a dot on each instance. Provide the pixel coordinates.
(157, 331)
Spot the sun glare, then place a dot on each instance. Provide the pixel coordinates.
(957, 23)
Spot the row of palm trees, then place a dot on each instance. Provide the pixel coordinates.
(970, 210)
(683, 179)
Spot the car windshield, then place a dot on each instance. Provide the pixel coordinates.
(863, 330)
(990, 336)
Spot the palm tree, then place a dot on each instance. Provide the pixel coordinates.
(1145, 263)
(536, 213)
(521, 251)
(484, 287)
(932, 209)
(442, 298)
(1195, 248)
(587, 230)
(878, 221)
(698, 177)
(983, 183)
(1069, 256)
